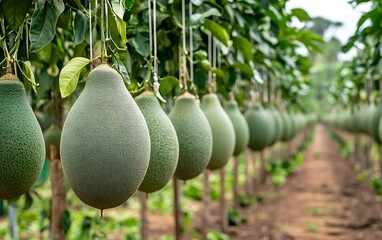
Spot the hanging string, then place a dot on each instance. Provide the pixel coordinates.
(184, 67)
(209, 59)
(191, 47)
(150, 26)
(155, 37)
(214, 64)
(107, 20)
(27, 35)
(90, 35)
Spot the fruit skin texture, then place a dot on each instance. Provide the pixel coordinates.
(22, 148)
(223, 133)
(194, 135)
(374, 125)
(164, 144)
(52, 136)
(105, 142)
(260, 124)
(240, 125)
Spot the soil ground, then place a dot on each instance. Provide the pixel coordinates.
(322, 200)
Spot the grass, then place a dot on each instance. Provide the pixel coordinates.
(313, 227)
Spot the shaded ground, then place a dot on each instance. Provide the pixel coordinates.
(322, 200)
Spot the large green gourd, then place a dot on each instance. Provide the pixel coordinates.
(194, 136)
(22, 148)
(374, 123)
(223, 132)
(105, 142)
(164, 144)
(259, 123)
(287, 126)
(240, 125)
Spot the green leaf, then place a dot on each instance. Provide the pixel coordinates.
(15, 11)
(167, 84)
(197, 18)
(43, 23)
(70, 74)
(80, 27)
(118, 65)
(129, 4)
(117, 27)
(141, 43)
(301, 14)
(217, 31)
(219, 73)
(244, 69)
(244, 46)
(27, 72)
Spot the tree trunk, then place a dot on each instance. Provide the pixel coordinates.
(235, 188)
(263, 173)
(255, 177)
(58, 195)
(223, 209)
(144, 220)
(13, 222)
(178, 209)
(248, 177)
(206, 202)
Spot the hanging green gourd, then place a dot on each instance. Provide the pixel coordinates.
(22, 148)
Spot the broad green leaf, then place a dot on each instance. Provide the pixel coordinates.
(118, 65)
(70, 74)
(244, 46)
(43, 23)
(129, 4)
(217, 31)
(245, 69)
(117, 8)
(219, 73)
(14, 12)
(80, 27)
(167, 84)
(197, 2)
(117, 28)
(301, 14)
(141, 43)
(197, 18)
(26, 70)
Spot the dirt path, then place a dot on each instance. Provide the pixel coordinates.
(322, 200)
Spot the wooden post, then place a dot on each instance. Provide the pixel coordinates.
(235, 189)
(223, 209)
(13, 220)
(206, 202)
(255, 174)
(380, 160)
(248, 179)
(144, 220)
(58, 194)
(178, 209)
(263, 173)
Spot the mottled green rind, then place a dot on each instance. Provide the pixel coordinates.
(194, 136)
(22, 148)
(223, 133)
(240, 125)
(164, 144)
(279, 125)
(259, 123)
(52, 136)
(105, 142)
